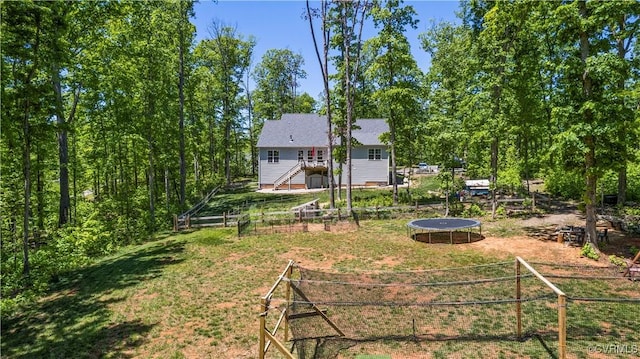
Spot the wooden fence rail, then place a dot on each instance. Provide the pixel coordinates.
(225, 220)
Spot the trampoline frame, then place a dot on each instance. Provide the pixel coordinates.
(413, 229)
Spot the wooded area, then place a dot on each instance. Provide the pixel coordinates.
(114, 118)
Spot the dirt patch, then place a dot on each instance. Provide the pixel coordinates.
(531, 249)
(539, 241)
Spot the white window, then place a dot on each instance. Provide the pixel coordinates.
(273, 156)
(375, 154)
(300, 155)
(310, 155)
(320, 155)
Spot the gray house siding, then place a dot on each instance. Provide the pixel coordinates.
(365, 171)
(294, 132)
(270, 172)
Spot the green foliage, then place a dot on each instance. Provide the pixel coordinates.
(277, 76)
(564, 183)
(509, 81)
(589, 252)
(474, 211)
(456, 209)
(633, 180)
(509, 178)
(617, 261)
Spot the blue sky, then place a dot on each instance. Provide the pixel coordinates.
(280, 25)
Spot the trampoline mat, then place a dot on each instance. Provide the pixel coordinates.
(439, 224)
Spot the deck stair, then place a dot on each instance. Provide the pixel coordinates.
(287, 176)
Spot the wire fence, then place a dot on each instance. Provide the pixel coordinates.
(483, 311)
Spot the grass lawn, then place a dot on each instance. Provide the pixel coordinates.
(197, 295)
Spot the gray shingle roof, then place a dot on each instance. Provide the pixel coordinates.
(308, 130)
(370, 131)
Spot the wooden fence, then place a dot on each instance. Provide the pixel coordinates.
(225, 220)
(517, 206)
(270, 332)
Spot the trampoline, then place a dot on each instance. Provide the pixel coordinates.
(425, 227)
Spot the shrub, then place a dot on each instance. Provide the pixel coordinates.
(617, 261)
(589, 252)
(564, 183)
(473, 211)
(455, 209)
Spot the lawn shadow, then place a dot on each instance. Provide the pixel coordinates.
(75, 319)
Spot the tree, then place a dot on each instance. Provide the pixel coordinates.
(229, 57)
(351, 16)
(24, 50)
(453, 110)
(185, 36)
(588, 79)
(394, 72)
(323, 61)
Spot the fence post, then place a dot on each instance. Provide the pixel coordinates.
(518, 303)
(175, 222)
(288, 299)
(338, 214)
(533, 201)
(263, 323)
(377, 212)
(224, 219)
(562, 326)
(189, 221)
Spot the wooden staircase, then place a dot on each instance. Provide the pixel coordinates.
(299, 167)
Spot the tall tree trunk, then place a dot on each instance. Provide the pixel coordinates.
(212, 147)
(26, 172)
(589, 139)
(26, 153)
(167, 189)
(392, 139)
(64, 212)
(135, 164)
(323, 62)
(351, 77)
(149, 117)
(181, 49)
(151, 184)
(74, 150)
(252, 140)
(227, 144)
(39, 228)
(622, 129)
(394, 180)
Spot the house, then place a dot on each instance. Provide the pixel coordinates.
(293, 153)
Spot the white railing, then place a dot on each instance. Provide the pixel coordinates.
(289, 174)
